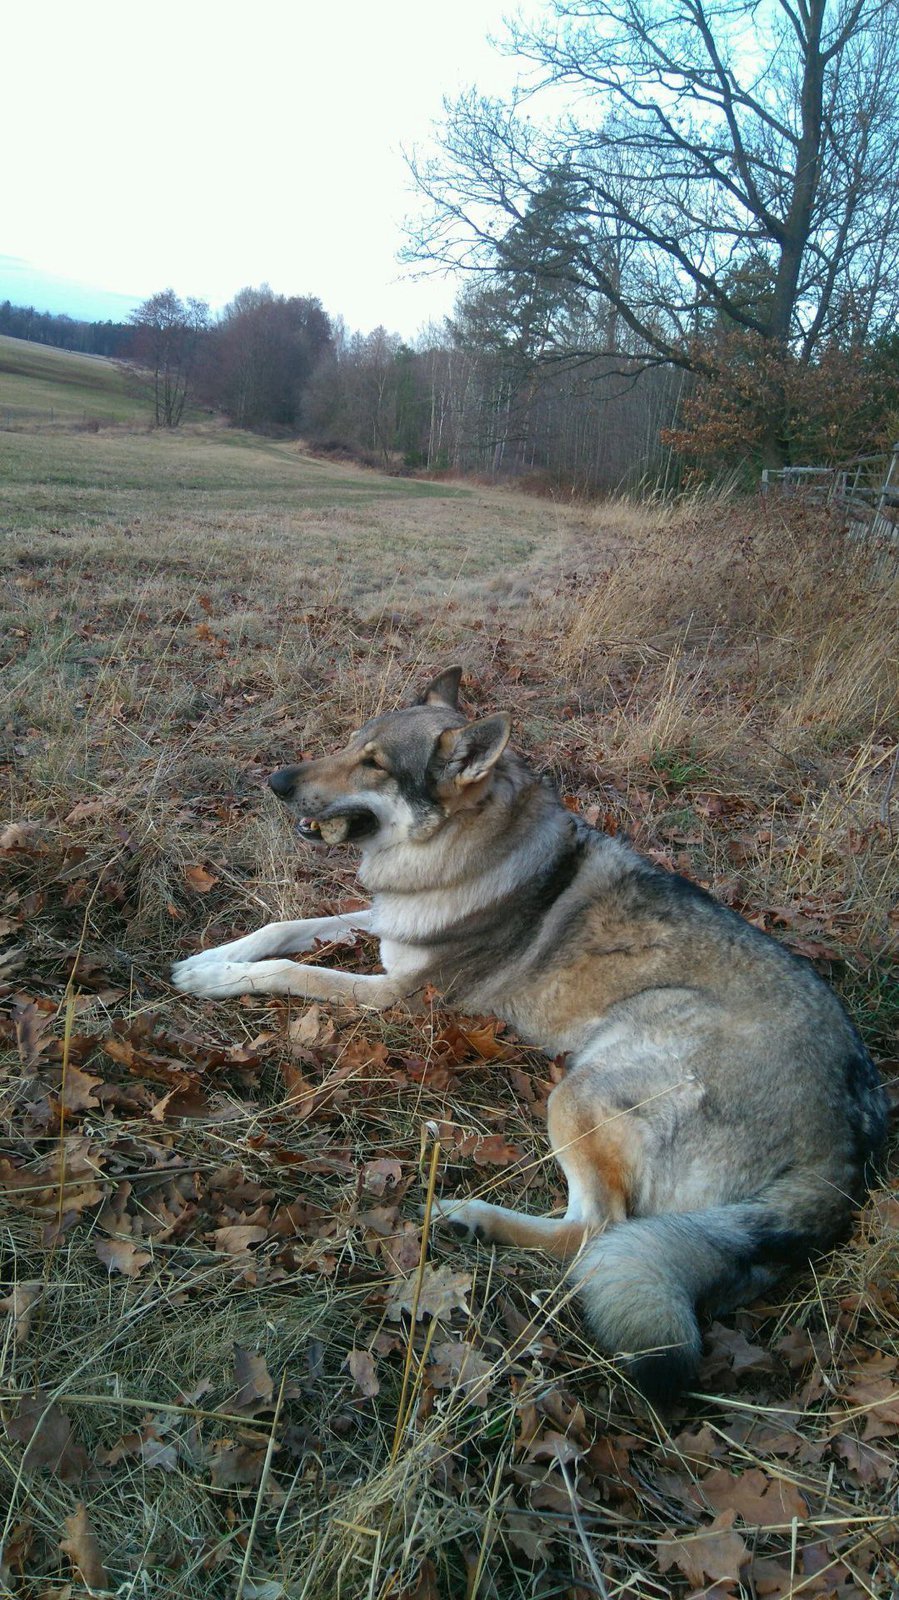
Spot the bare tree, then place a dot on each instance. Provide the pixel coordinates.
(262, 354)
(168, 331)
(730, 161)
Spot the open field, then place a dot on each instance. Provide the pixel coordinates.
(48, 387)
(209, 1380)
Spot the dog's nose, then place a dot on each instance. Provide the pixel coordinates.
(283, 782)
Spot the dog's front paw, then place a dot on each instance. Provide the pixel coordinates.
(185, 973)
(212, 979)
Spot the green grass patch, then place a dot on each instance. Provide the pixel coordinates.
(206, 476)
(678, 768)
(40, 385)
(871, 995)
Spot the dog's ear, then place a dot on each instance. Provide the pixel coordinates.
(471, 752)
(444, 691)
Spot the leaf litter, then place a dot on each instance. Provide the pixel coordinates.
(212, 1211)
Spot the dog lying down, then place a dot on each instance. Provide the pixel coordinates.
(719, 1111)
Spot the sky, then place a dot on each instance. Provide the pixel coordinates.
(191, 145)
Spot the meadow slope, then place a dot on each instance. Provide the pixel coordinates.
(211, 1383)
(45, 388)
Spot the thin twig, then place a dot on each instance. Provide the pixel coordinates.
(401, 1413)
(266, 1468)
(589, 1557)
(885, 809)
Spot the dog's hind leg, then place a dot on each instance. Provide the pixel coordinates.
(561, 1237)
(599, 1155)
(276, 939)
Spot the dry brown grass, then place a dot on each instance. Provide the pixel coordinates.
(724, 687)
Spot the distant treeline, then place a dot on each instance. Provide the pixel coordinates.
(510, 387)
(67, 333)
(454, 403)
(477, 394)
(470, 396)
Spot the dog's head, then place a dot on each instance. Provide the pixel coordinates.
(401, 777)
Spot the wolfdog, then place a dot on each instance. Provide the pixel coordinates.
(718, 1112)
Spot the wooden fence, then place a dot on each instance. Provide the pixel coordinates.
(865, 489)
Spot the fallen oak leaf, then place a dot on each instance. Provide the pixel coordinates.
(438, 1073)
(869, 1464)
(31, 1025)
(46, 1432)
(199, 879)
(18, 1548)
(85, 810)
(191, 1397)
(38, 1188)
(313, 1028)
(553, 1446)
(457, 1364)
(121, 1050)
(303, 1098)
(20, 1305)
(20, 836)
(399, 1242)
(877, 1398)
(377, 1175)
(761, 1501)
(797, 1349)
(80, 1545)
(155, 1452)
(529, 1533)
(235, 1465)
(115, 1218)
(457, 1041)
(443, 1291)
(145, 1064)
(120, 1255)
(770, 1577)
(362, 1371)
(184, 1100)
(255, 1386)
(360, 1053)
(150, 1450)
(76, 1089)
(820, 1561)
(728, 1347)
(716, 1552)
(483, 1041)
(494, 1151)
(236, 1239)
(698, 1447)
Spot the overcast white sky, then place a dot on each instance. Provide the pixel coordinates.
(205, 146)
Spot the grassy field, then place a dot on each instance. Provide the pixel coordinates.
(42, 387)
(210, 1382)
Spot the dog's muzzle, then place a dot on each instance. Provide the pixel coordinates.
(337, 822)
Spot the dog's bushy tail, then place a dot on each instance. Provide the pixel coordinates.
(642, 1281)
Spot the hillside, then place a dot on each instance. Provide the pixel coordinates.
(42, 386)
